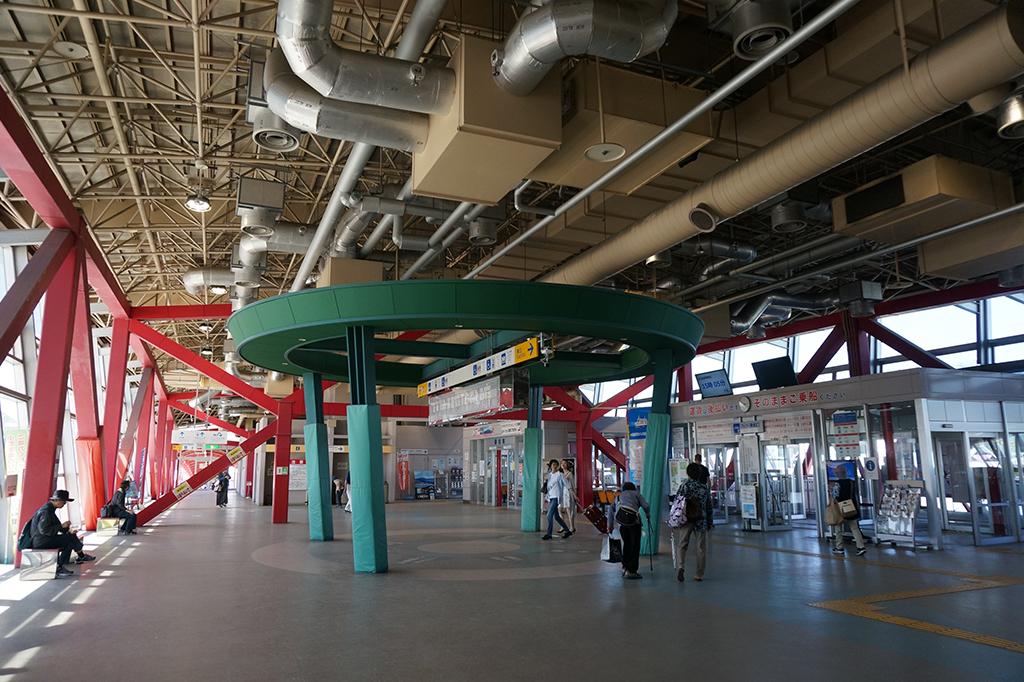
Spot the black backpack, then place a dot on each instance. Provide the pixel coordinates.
(694, 510)
(25, 539)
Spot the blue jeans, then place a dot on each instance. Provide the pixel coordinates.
(553, 516)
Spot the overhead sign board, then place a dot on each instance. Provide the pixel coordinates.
(519, 353)
(485, 397)
(199, 437)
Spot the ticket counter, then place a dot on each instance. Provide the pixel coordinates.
(949, 441)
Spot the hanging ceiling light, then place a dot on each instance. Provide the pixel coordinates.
(207, 351)
(218, 290)
(205, 327)
(197, 203)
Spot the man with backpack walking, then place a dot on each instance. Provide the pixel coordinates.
(691, 518)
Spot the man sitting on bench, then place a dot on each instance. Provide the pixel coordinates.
(49, 533)
(119, 507)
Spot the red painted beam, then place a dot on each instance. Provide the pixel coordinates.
(25, 165)
(216, 311)
(88, 452)
(28, 287)
(102, 278)
(562, 397)
(602, 444)
(46, 423)
(202, 365)
(203, 476)
(819, 361)
(117, 371)
(621, 398)
(792, 329)
(199, 414)
(282, 461)
(907, 349)
(858, 345)
(958, 294)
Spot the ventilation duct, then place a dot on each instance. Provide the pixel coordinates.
(483, 232)
(661, 259)
(756, 26)
(357, 77)
(269, 131)
(445, 235)
(1012, 278)
(788, 217)
(301, 106)
(233, 364)
(745, 315)
(978, 58)
(617, 30)
(198, 280)
(1010, 123)
(730, 252)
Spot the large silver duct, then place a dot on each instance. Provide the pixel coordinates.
(746, 315)
(303, 32)
(728, 251)
(618, 30)
(199, 279)
(421, 23)
(301, 106)
(978, 58)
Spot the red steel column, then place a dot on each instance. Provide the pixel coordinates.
(142, 451)
(156, 453)
(282, 457)
(857, 346)
(117, 373)
(83, 380)
(50, 396)
(584, 460)
(249, 468)
(684, 383)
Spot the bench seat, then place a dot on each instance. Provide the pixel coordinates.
(38, 564)
(108, 525)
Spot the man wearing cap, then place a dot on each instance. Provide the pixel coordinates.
(49, 533)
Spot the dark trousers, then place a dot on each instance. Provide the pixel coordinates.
(631, 547)
(64, 542)
(553, 516)
(128, 525)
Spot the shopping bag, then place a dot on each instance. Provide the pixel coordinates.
(833, 517)
(611, 550)
(848, 509)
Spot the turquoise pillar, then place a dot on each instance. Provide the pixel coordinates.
(318, 461)
(533, 455)
(656, 451)
(366, 469)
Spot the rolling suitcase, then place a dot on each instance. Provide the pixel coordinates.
(597, 517)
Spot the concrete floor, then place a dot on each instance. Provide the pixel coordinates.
(222, 594)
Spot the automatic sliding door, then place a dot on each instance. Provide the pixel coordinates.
(991, 494)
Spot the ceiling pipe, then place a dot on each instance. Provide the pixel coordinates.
(729, 251)
(618, 30)
(714, 99)
(831, 268)
(421, 23)
(386, 223)
(975, 59)
(777, 304)
(299, 105)
(446, 234)
(303, 32)
(198, 280)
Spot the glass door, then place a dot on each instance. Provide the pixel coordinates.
(954, 484)
(991, 495)
(1017, 464)
(720, 461)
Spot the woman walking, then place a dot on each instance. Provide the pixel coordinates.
(567, 505)
(627, 516)
(697, 500)
(554, 486)
(843, 490)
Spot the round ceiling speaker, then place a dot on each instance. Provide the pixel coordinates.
(605, 152)
(759, 27)
(1010, 123)
(70, 50)
(788, 217)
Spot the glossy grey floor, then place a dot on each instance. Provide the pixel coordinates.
(222, 594)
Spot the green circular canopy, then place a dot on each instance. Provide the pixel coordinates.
(305, 331)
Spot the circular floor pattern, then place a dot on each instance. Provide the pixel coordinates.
(298, 556)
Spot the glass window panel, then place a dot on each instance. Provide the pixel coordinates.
(960, 360)
(707, 363)
(808, 344)
(1007, 316)
(1010, 353)
(897, 366)
(745, 356)
(12, 375)
(841, 358)
(935, 327)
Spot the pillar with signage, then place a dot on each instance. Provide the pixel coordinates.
(533, 455)
(366, 457)
(655, 456)
(318, 461)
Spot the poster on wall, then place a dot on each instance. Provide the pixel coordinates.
(297, 474)
(748, 500)
(403, 477)
(896, 516)
(750, 455)
(636, 421)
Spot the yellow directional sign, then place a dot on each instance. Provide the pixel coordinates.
(521, 352)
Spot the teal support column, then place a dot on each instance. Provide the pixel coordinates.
(318, 460)
(656, 451)
(533, 455)
(366, 456)
(366, 468)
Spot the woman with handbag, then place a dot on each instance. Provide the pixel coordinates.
(567, 505)
(627, 517)
(846, 511)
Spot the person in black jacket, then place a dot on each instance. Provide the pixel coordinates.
(119, 509)
(49, 533)
(844, 489)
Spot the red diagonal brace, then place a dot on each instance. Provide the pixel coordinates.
(204, 475)
(907, 349)
(562, 397)
(602, 444)
(199, 414)
(83, 379)
(203, 366)
(28, 287)
(621, 398)
(819, 361)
